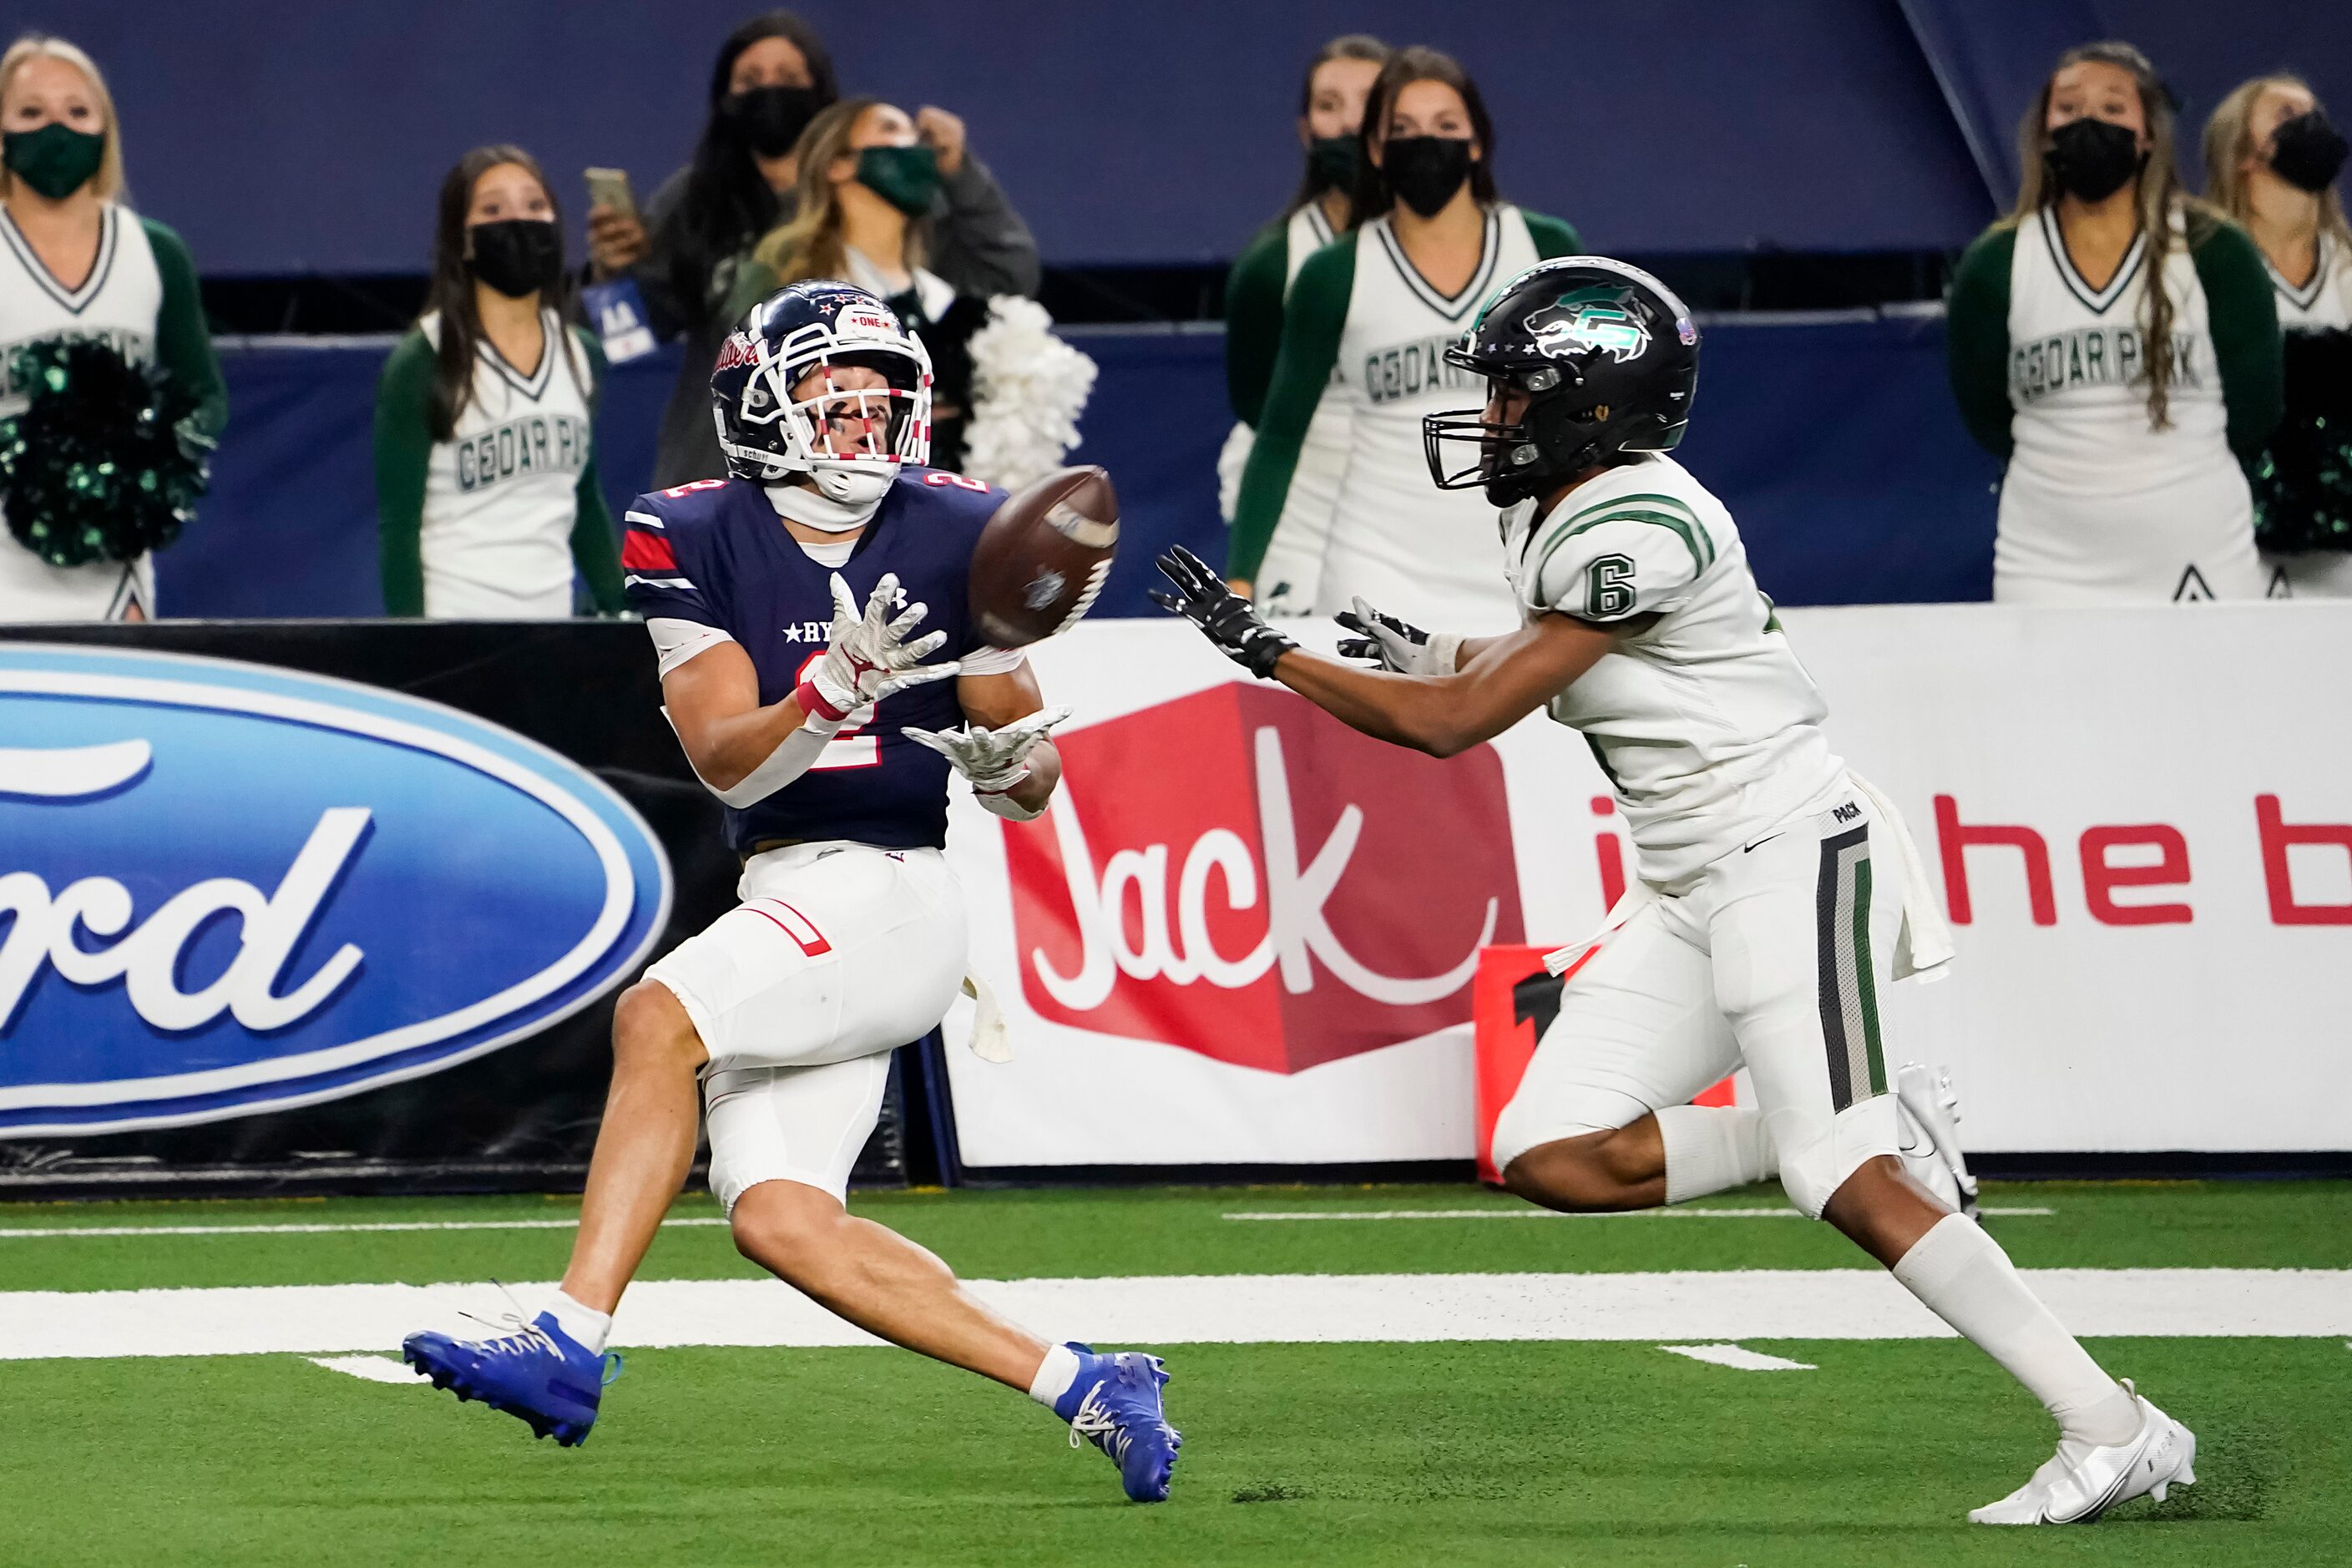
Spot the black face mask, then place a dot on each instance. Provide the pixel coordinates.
(2307, 152)
(1425, 171)
(1332, 161)
(773, 118)
(2093, 159)
(516, 255)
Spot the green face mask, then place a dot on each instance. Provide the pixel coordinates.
(1333, 159)
(906, 177)
(56, 160)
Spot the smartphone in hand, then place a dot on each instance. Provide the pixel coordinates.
(610, 188)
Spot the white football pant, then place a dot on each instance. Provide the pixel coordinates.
(838, 954)
(1778, 956)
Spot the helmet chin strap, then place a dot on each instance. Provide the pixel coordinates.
(842, 502)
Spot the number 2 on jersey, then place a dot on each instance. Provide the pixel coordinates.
(851, 746)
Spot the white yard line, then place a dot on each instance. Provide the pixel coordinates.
(44, 1233)
(376, 1369)
(1737, 1357)
(66, 1232)
(1682, 1307)
(1530, 1212)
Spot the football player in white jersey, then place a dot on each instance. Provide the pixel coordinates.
(1778, 895)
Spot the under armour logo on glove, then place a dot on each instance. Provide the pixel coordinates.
(1397, 645)
(870, 657)
(1225, 617)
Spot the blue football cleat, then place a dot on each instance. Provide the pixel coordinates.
(535, 1372)
(1114, 1404)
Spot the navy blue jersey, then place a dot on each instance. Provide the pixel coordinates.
(714, 553)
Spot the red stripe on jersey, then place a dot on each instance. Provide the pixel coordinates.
(642, 550)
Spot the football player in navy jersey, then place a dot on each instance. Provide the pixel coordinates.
(796, 608)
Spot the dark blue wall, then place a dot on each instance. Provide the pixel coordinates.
(1834, 441)
(287, 136)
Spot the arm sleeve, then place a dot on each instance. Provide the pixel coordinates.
(1976, 340)
(1254, 320)
(1312, 319)
(1553, 237)
(2246, 346)
(1633, 556)
(984, 247)
(184, 344)
(403, 448)
(593, 548)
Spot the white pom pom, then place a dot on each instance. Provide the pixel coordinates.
(1028, 389)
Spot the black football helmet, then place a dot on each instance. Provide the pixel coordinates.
(769, 435)
(1607, 357)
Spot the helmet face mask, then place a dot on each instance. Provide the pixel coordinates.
(1592, 358)
(848, 441)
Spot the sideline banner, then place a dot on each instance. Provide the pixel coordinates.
(1247, 934)
(327, 902)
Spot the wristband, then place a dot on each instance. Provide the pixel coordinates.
(814, 704)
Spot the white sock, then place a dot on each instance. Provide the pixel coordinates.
(585, 1324)
(1710, 1148)
(1055, 1375)
(1963, 1276)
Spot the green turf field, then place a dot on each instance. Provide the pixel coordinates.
(1553, 1452)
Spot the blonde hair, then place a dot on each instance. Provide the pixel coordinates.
(106, 184)
(2230, 142)
(2158, 193)
(809, 244)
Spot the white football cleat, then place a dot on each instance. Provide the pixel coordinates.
(2075, 1488)
(1933, 1112)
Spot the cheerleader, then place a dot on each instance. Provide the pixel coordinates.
(2270, 162)
(1330, 113)
(1367, 323)
(2113, 340)
(81, 264)
(486, 495)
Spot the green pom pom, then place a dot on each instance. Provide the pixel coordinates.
(92, 469)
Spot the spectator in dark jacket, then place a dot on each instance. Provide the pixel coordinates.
(772, 76)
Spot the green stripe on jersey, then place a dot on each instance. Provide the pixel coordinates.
(1665, 512)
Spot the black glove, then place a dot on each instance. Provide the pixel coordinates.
(1225, 617)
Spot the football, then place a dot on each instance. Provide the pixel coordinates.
(1042, 557)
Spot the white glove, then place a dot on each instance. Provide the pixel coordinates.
(1400, 646)
(870, 657)
(995, 761)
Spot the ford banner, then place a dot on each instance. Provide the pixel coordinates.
(230, 887)
(331, 906)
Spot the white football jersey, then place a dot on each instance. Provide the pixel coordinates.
(1702, 719)
(117, 304)
(501, 495)
(1406, 546)
(2096, 506)
(2323, 302)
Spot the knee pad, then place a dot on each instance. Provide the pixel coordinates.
(1813, 1172)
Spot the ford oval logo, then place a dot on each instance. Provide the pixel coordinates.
(225, 888)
